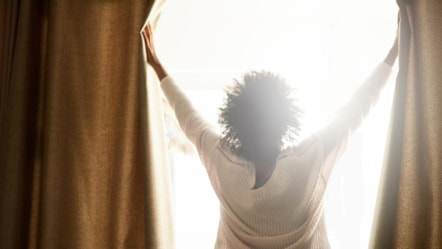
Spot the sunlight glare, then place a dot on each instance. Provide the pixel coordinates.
(324, 48)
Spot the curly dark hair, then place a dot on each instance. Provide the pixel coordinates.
(258, 116)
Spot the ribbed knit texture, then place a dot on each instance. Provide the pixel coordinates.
(286, 212)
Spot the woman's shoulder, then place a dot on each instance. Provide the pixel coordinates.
(307, 144)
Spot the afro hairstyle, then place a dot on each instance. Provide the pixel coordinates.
(258, 115)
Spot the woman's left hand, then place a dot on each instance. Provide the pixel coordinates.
(152, 57)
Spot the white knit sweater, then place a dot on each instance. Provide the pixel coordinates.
(286, 212)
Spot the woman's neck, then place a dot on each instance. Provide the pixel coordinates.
(263, 172)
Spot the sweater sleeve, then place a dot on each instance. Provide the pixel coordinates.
(200, 132)
(335, 135)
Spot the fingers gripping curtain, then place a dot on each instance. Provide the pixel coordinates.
(79, 159)
(410, 203)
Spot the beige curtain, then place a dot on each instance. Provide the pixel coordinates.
(409, 213)
(82, 162)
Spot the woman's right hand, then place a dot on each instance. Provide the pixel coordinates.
(393, 53)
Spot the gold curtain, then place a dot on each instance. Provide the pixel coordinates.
(409, 212)
(82, 162)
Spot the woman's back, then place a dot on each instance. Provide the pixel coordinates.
(285, 212)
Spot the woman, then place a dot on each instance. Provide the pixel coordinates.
(270, 196)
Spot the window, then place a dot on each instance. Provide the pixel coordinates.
(325, 48)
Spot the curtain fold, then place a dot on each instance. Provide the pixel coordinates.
(82, 161)
(409, 212)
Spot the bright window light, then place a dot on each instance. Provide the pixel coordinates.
(324, 48)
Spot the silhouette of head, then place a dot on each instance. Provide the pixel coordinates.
(258, 116)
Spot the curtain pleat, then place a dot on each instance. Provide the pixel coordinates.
(409, 212)
(158, 180)
(82, 161)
